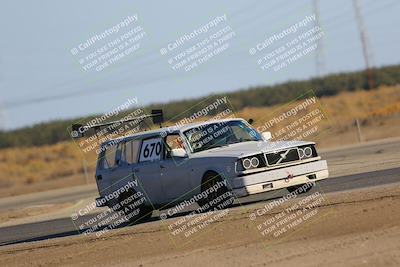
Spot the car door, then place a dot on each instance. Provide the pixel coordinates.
(121, 173)
(174, 171)
(147, 169)
(105, 162)
(114, 172)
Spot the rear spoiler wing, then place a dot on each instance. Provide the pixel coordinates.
(79, 130)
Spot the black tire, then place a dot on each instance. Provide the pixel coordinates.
(138, 213)
(292, 189)
(211, 202)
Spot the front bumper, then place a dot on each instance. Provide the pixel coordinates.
(280, 178)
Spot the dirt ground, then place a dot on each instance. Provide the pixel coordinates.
(353, 228)
(31, 211)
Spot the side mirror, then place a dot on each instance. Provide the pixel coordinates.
(250, 121)
(179, 153)
(267, 135)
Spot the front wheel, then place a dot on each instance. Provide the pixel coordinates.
(215, 193)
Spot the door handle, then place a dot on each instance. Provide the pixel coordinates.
(134, 171)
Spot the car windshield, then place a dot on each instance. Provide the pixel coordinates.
(220, 134)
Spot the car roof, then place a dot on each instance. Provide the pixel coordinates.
(169, 129)
(197, 124)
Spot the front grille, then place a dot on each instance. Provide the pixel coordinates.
(283, 156)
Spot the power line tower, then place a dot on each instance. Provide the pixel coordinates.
(319, 51)
(365, 45)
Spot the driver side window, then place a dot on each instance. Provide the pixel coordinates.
(172, 141)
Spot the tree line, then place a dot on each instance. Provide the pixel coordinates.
(56, 131)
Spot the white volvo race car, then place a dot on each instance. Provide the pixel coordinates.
(200, 163)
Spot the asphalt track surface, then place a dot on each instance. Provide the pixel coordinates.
(76, 193)
(66, 227)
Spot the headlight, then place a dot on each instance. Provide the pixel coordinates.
(246, 164)
(253, 162)
(306, 152)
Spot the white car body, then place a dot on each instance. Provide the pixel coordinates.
(165, 180)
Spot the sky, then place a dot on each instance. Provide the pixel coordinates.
(49, 68)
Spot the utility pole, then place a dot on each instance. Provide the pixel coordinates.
(319, 51)
(360, 137)
(364, 43)
(85, 170)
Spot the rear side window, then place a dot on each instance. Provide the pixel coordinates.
(132, 151)
(120, 154)
(109, 157)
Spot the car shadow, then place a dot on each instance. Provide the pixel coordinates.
(30, 228)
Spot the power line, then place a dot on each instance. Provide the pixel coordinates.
(144, 57)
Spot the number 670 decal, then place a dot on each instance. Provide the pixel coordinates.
(151, 149)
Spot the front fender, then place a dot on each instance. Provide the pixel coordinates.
(223, 166)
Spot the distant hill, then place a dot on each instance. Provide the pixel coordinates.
(56, 131)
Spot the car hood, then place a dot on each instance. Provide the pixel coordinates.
(249, 148)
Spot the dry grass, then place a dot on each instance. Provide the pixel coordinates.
(60, 165)
(378, 112)
(25, 166)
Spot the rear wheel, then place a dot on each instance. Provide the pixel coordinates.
(215, 193)
(134, 207)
